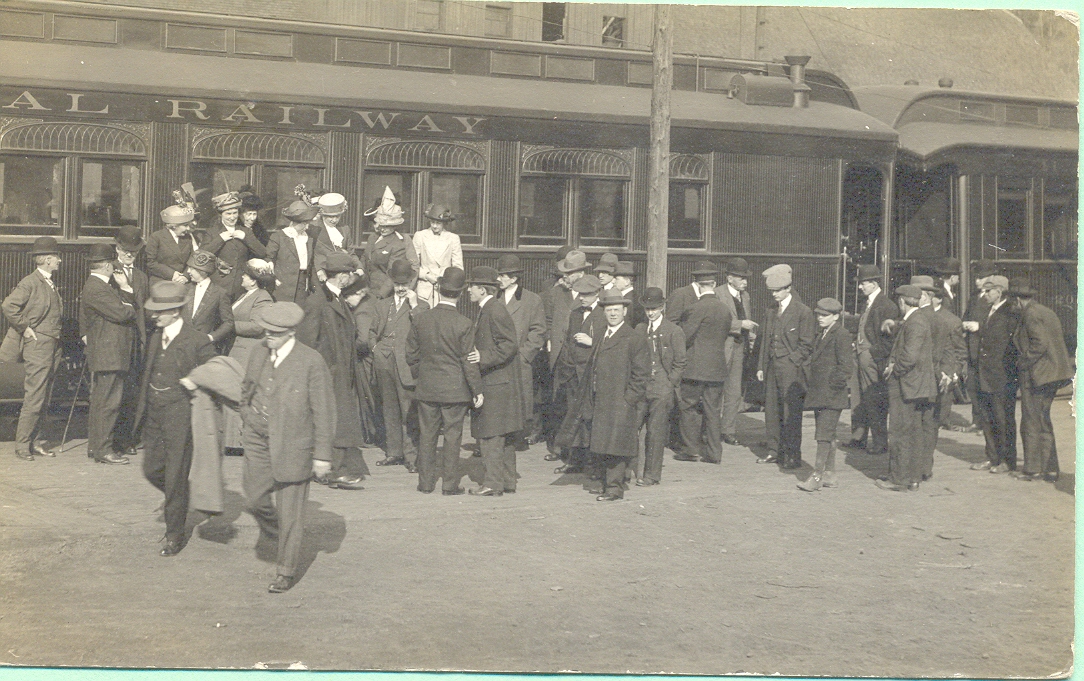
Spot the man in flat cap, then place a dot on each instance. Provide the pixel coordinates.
(529, 315)
(392, 318)
(329, 329)
(288, 409)
(743, 333)
(129, 241)
(997, 377)
(438, 248)
(558, 301)
(169, 248)
(33, 310)
(291, 249)
(666, 345)
(1044, 367)
(165, 413)
(706, 328)
(496, 424)
(789, 334)
(827, 371)
(232, 243)
(585, 322)
(209, 309)
(950, 361)
(911, 390)
(869, 413)
(440, 341)
(108, 324)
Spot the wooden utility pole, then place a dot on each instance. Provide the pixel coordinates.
(658, 201)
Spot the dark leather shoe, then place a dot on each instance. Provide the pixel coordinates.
(486, 492)
(132, 451)
(551, 457)
(891, 487)
(281, 584)
(646, 482)
(346, 482)
(567, 468)
(1050, 477)
(452, 492)
(389, 461)
(609, 497)
(424, 491)
(912, 487)
(172, 547)
(111, 458)
(731, 440)
(853, 444)
(38, 450)
(771, 457)
(25, 456)
(509, 491)
(686, 457)
(321, 480)
(411, 468)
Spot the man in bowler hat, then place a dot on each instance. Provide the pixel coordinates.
(440, 341)
(529, 315)
(129, 240)
(743, 333)
(33, 311)
(288, 409)
(666, 344)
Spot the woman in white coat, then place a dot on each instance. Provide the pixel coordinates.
(438, 249)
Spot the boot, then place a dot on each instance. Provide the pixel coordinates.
(828, 478)
(816, 481)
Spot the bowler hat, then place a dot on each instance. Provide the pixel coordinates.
(608, 263)
(509, 264)
(1021, 287)
(204, 261)
(100, 253)
(361, 281)
(299, 211)
(705, 268)
(625, 269)
(996, 281)
(924, 282)
(612, 297)
(332, 204)
(453, 280)
(948, 266)
(588, 284)
(483, 274)
(44, 245)
(828, 306)
(983, 268)
(167, 295)
(177, 215)
(867, 272)
(130, 238)
(401, 271)
(738, 268)
(909, 291)
(438, 213)
(574, 262)
(339, 262)
(562, 252)
(653, 298)
(224, 202)
(778, 276)
(280, 316)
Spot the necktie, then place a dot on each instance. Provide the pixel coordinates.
(128, 274)
(739, 307)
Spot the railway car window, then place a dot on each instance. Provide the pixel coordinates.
(685, 228)
(460, 193)
(1012, 220)
(109, 196)
(541, 210)
(498, 21)
(429, 15)
(600, 211)
(1060, 220)
(923, 212)
(31, 195)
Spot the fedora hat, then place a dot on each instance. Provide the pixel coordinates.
(439, 213)
(867, 272)
(167, 295)
(509, 263)
(224, 202)
(612, 297)
(299, 211)
(401, 271)
(909, 291)
(454, 280)
(339, 262)
(653, 298)
(947, 266)
(332, 204)
(204, 261)
(44, 245)
(924, 282)
(705, 268)
(483, 274)
(130, 238)
(738, 267)
(100, 253)
(607, 263)
(1021, 287)
(983, 268)
(625, 269)
(280, 316)
(574, 262)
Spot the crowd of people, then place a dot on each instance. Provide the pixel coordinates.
(299, 349)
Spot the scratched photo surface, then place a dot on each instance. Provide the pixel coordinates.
(617, 519)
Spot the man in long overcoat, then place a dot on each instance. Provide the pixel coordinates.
(666, 345)
(108, 322)
(997, 374)
(683, 298)
(130, 242)
(497, 423)
(440, 341)
(826, 372)
(869, 413)
(394, 381)
(288, 408)
(329, 329)
(1044, 367)
(706, 327)
(585, 323)
(616, 382)
(949, 362)
(169, 248)
(911, 391)
(557, 301)
(528, 314)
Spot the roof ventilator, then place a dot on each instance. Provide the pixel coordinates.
(797, 77)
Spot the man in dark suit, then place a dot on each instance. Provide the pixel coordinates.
(287, 406)
(388, 339)
(789, 333)
(209, 308)
(997, 377)
(827, 371)
(950, 364)
(33, 311)
(869, 412)
(911, 390)
(585, 323)
(329, 329)
(164, 412)
(681, 299)
(529, 315)
(616, 381)
(624, 275)
(169, 248)
(743, 333)
(1044, 367)
(977, 309)
(706, 329)
(496, 424)
(108, 323)
(949, 272)
(666, 344)
(130, 242)
(558, 301)
(439, 343)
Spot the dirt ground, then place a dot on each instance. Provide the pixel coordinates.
(719, 570)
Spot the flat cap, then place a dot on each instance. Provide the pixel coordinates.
(924, 282)
(777, 276)
(588, 283)
(339, 262)
(996, 281)
(828, 306)
(281, 316)
(909, 291)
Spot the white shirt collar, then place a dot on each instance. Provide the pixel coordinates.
(872, 297)
(696, 289)
(734, 293)
(998, 304)
(449, 303)
(784, 303)
(625, 291)
(170, 331)
(611, 330)
(908, 313)
(292, 232)
(333, 288)
(47, 275)
(283, 352)
(509, 292)
(654, 325)
(483, 301)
